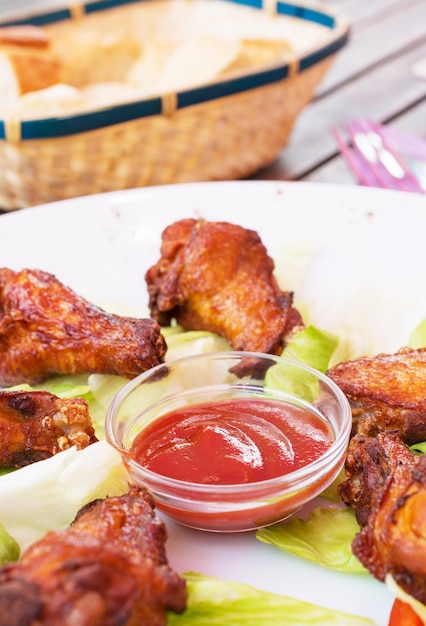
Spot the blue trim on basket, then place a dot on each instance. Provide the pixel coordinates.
(256, 4)
(58, 15)
(231, 87)
(44, 19)
(84, 122)
(101, 5)
(306, 13)
(49, 128)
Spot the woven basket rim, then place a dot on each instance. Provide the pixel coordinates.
(165, 104)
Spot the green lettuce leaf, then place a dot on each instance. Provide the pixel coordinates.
(47, 495)
(215, 602)
(418, 448)
(103, 388)
(324, 538)
(181, 344)
(6, 470)
(417, 338)
(71, 386)
(312, 346)
(9, 548)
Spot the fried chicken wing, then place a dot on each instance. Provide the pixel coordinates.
(109, 568)
(386, 486)
(46, 329)
(35, 425)
(386, 392)
(218, 276)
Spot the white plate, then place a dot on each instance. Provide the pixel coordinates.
(354, 257)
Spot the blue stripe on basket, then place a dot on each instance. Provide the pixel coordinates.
(306, 13)
(318, 55)
(41, 20)
(231, 87)
(64, 126)
(283, 8)
(257, 4)
(101, 5)
(60, 127)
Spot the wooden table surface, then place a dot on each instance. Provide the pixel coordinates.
(373, 76)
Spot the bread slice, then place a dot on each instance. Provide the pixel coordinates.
(27, 63)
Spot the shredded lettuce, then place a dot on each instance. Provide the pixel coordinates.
(216, 602)
(47, 495)
(324, 538)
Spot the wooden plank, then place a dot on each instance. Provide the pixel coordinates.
(364, 13)
(382, 94)
(376, 43)
(412, 122)
(12, 7)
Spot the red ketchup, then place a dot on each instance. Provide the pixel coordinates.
(244, 440)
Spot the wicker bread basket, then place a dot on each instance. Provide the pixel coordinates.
(225, 129)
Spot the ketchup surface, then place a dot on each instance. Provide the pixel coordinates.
(232, 441)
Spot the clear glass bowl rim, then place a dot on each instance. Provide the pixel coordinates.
(296, 480)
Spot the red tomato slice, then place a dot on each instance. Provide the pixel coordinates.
(403, 615)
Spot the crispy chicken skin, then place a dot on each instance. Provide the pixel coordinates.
(35, 425)
(386, 392)
(218, 276)
(108, 569)
(47, 329)
(386, 486)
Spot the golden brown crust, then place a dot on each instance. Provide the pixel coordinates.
(386, 486)
(47, 329)
(108, 569)
(218, 276)
(386, 392)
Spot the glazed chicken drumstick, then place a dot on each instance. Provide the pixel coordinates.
(108, 569)
(35, 425)
(218, 276)
(47, 329)
(386, 486)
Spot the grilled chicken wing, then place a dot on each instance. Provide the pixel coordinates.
(46, 329)
(386, 392)
(386, 486)
(35, 425)
(108, 569)
(218, 276)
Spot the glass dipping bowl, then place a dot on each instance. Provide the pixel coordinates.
(220, 376)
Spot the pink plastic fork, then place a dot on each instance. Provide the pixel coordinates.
(373, 158)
